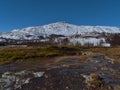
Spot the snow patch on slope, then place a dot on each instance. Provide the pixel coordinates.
(60, 28)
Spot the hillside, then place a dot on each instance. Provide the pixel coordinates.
(63, 33)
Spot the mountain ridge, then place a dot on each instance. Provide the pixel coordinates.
(58, 28)
(62, 32)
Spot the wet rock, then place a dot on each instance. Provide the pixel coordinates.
(96, 74)
(38, 74)
(117, 87)
(14, 80)
(93, 81)
(112, 61)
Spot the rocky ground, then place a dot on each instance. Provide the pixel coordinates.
(97, 72)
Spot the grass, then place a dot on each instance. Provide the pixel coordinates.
(111, 52)
(11, 54)
(8, 55)
(66, 58)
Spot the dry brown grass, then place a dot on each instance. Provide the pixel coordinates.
(66, 58)
(30, 53)
(111, 52)
(67, 52)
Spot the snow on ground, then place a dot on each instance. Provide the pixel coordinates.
(87, 41)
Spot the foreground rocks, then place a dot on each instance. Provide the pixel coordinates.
(12, 81)
(98, 73)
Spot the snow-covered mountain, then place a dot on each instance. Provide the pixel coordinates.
(60, 28)
(75, 34)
